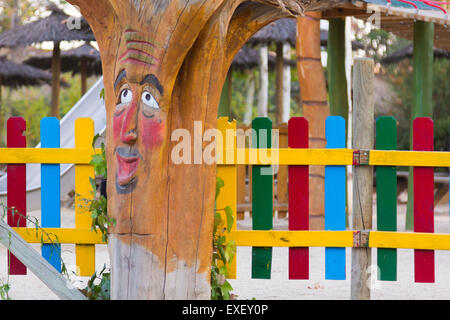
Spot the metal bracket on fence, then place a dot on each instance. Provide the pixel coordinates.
(361, 157)
(361, 239)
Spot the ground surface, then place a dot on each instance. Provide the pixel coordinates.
(279, 287)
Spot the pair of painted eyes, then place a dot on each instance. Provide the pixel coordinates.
(126, 96)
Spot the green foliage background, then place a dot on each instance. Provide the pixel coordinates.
(33, 104)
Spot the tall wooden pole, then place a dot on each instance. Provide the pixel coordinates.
(56, 74)
(1, 115)
(286, 83)
(165, 63)
(422, 94)
(283, 79)
(83, 76)
(263, 93)
(363, 139)
(279, 83)
(315, 106)
(337, 80)
(250, 97)
(337, 77)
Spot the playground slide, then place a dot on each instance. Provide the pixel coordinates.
(89, 106)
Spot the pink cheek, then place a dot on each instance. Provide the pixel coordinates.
(117, 126)
(152, 132)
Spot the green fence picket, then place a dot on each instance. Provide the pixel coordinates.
(386, 180)
(262, 203)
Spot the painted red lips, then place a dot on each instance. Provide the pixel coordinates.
(127, 164)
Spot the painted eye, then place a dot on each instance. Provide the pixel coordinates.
(126, 96)
(149, 101)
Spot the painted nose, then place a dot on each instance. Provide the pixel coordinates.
(129, 127)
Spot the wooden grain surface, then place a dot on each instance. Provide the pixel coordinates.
(363, 138)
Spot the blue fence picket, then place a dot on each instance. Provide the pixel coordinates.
(50, 190)
(335, 199)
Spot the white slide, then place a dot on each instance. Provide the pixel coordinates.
(89, 106)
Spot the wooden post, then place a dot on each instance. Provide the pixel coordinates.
(363, 139)
(263, 94)
(337, 81)
(286, 83)
(337, 78)
(2, 138)
(315, 106)
(165, 63)
(83, 75)
(422, 94)
(279, 80)
(250, 97)
(56, 73)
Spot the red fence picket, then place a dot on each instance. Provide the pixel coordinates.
(423, 140)
(16, 186)
(298, 199)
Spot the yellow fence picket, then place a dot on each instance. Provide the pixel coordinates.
(228, 194)
(85, 254)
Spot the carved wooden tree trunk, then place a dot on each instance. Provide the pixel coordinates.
(164, 66)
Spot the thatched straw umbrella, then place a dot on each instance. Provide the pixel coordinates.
(84, 60)
(407, 52)
(15, 75)
(55, 28)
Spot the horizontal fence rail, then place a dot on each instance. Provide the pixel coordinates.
(50, 156)
(298, 157)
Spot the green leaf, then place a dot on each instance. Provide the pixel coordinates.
(230, 218)
(219, 185)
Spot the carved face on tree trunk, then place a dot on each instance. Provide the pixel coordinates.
(164, 65)
(139, 121)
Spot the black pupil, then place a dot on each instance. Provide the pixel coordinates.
(148, 96)
(125, 93)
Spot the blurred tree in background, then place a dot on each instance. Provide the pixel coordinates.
(33, 104)
(400, 76)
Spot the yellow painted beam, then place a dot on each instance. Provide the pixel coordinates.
(60, 235)
(286, 156)
(426, 241)
(377, 239)
(46, 156)
(409, 158)
(330, 157)
(292, 238)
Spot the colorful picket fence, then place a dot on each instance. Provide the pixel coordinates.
(298, 157)
(335, 238)
(50, 156)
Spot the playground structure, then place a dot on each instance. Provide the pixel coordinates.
(298, 157)
(213, 68)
